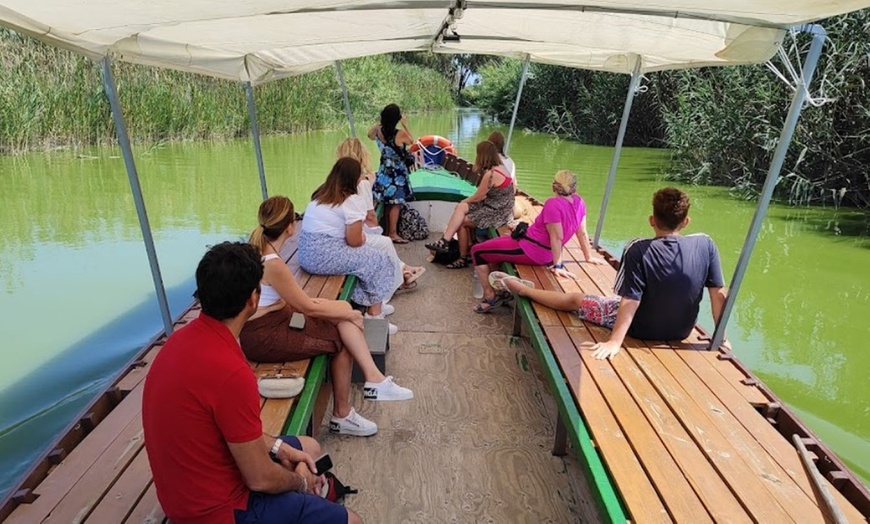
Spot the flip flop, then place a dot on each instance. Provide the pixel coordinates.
(491, 304)
(498, 278)
(411, 276)
(399, 240)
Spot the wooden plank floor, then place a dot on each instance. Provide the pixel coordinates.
(474, 444)
(689, 424)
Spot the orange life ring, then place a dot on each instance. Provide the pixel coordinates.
(433, 140)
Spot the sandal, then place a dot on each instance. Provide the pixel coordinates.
(491, 304)
(459, 263)
(412, 275)
(441, 246)
(410, 286)
(399, 240)
(497, 280)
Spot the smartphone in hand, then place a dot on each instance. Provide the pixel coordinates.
(323, 464)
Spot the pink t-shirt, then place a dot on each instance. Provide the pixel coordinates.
(569, 213)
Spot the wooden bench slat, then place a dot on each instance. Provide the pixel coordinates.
(102, 446)
(782, 452)
(691, 463)
(125, 493)
(147, 510)
(733, 451)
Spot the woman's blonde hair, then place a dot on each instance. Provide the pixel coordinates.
(565, 183)
(273, 217)
(353, 148)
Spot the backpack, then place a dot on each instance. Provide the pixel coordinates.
(412, 225)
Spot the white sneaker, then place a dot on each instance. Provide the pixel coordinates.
(386, 390)
(393, 328)
(353, 424)
(387, 310)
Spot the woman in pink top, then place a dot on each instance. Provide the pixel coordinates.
(563, 216)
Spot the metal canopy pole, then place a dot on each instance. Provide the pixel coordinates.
(507, 144)
(127, 152)
(797, 103)
(255, 134)
(611, 177)
(346, 100)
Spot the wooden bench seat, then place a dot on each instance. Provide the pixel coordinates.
(107, 478)
(678, 428)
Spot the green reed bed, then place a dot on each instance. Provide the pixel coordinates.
(53, 98)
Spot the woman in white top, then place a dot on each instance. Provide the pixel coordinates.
(333, 242)
(353, 148)
(331, 327)
(497, 139)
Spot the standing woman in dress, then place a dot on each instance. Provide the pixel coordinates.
(392, 186)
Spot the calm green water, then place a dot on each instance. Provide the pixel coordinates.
(77, 300)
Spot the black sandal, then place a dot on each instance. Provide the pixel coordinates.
(441, 246)
(459, 263)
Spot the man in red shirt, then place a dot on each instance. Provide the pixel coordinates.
(201, 414)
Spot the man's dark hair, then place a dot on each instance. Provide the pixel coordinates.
(225, 278)
(670, 207)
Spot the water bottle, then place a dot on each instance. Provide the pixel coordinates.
(476, 288)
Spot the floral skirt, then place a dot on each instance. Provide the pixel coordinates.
(321, 254)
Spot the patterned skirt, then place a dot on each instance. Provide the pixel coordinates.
(496, 210)
(321, 254)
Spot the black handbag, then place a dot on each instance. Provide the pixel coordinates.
(520, 233)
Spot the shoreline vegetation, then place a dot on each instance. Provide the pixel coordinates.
(721, 125)
(52, 98)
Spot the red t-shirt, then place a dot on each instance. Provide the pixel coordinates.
(199, 394)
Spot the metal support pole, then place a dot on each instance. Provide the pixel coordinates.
(255, 134)
(127, 153)
(626, 112)
(346, 100)
(797, 103)
(507, 144)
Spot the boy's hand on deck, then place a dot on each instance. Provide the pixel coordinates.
(605, 350)
(563, 273)
(598, 261)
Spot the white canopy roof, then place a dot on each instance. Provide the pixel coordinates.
(263, 40)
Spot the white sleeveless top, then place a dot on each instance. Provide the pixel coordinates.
(268, 295)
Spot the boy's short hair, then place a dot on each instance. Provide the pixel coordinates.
(670, 208)
(225, 278)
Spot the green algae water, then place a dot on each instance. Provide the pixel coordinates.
(77, 300)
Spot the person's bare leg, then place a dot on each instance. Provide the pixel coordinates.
(483, 278)
(456, 220)
(464, 241)
(393, 220)
(545, 297)
(310, 446)
(353, 518)
(355, 343)
(375, 309)
(340, 367)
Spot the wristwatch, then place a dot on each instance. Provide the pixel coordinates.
(558, 266)
(273, 453)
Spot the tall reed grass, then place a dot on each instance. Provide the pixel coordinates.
(53, 98)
